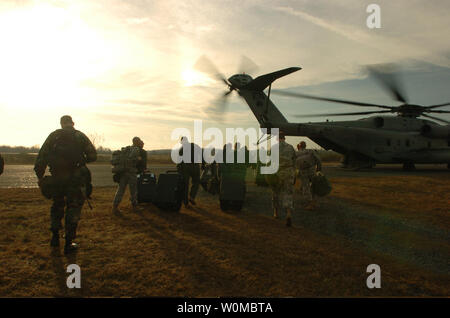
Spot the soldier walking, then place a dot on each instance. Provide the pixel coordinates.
(134, 161)
(282, 193)
(189, 168)
(2, 164)
(66, 151)
(307, 163)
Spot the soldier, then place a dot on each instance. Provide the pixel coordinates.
(282, 192)
(190, 170)
(142, 163)
(136, 162)
(66, 151)
(2, 164)
(307, 163)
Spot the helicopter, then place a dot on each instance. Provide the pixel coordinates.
(402, 139)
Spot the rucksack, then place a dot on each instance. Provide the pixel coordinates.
(125, 160)
(65, 151)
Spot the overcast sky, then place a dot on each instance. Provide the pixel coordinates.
(125, 68)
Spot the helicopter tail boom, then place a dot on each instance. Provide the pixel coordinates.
(262, 107)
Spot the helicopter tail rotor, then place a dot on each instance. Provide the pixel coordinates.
(219, 106)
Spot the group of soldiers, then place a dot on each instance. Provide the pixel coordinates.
(307, 163)
(66, 152)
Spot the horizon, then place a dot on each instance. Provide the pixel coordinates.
(127, 69)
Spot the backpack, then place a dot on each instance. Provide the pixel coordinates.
(125, 160)
(65, 151)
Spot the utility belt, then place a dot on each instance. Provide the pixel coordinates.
(81, 175)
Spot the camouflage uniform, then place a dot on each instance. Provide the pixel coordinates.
(282, 194)
(142, 162)
(68, 178)
(306, 163)
(129, 177)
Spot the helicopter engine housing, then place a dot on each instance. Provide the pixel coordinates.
(432, 131)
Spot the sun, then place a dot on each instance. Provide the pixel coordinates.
(46, 53)
(191, 78)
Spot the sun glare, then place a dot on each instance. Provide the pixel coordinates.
(191, 78)
(46, 53)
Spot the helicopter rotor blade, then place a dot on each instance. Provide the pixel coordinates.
(438, 111)
(345, 114)
(247, 66)
(435, 118)
(205, 65)
(436, 106)
(218, 108)
(386, 76)
(333, 100)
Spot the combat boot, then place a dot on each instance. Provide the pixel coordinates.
(135, 208)
(288, 222)
(115, 210)
(55, 239)
(310, 206)
(275, 214)
(288, 218)
(70, 246)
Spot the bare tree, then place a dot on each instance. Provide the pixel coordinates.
(96, 139)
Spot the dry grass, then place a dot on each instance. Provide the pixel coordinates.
(205, 252)
(420, 198)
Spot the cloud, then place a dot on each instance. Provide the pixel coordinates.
(130, 72)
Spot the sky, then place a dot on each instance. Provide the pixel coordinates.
(126, 68)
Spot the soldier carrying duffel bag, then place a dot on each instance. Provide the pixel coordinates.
(321, 186)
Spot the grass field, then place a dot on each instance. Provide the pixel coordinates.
(400, 223)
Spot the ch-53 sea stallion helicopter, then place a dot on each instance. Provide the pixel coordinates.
(403, 139)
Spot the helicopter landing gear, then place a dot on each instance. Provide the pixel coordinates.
(409, 166)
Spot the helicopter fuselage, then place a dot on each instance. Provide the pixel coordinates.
(379, 139)
(376, 139)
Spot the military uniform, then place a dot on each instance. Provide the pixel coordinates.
(190, 170)
(282, 192)
(129, 176)
(142, 162)
(306, 163)
(69, 174)
(2, 164)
